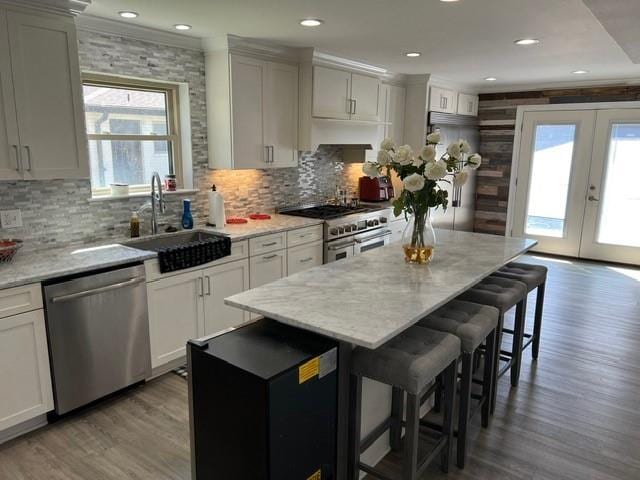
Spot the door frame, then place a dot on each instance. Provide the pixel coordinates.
(519, 123)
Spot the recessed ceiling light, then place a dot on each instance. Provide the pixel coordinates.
(311, 22)
(491, 79)
(412, 54)
(527, 41)
(580, 72)
(182, 26)
(448, 1)
(128, 14)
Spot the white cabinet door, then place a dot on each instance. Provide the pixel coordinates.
(304, 257)
(25, 379)
(365, 92)
(443, 100)
(176, 314)
(467, 104)
(10, 168)
(267, 268)
(219, 283)
(395, 113)
(46, 80)
(331, 93)
(247, 100)
(281, 114)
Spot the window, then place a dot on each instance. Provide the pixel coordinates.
(133, 131)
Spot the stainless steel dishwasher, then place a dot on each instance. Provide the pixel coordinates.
(98, 331)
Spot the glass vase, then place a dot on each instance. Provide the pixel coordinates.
(419, 239)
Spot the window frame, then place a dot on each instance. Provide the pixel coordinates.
(173, 137)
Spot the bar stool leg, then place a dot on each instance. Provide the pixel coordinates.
(487, 381)
(465, 401)
(411, 438)
(496, 363)
(355, 407)
(518, 339)
(537, 325)
(450, 377)
(397, 409)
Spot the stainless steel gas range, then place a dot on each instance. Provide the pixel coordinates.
(348, 231)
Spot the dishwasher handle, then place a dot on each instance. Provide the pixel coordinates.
(95, 291)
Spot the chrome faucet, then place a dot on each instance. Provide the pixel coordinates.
(156, 196)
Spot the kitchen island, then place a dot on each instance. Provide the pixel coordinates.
(367, 300)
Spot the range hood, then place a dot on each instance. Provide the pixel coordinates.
(356, 140)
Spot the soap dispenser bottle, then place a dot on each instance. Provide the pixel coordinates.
(187, 218)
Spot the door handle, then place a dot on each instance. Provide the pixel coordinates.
(355, 106)
(591, 198)
(304, 260)
(200, 287)
(28, 150)
(208, 284)
(266, 147)
(18, 166)
(272, 153)
(269, 257)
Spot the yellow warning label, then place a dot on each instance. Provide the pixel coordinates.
(308, 371)
(316, 476)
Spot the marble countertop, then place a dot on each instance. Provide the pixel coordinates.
(32, 267)
(369, 299)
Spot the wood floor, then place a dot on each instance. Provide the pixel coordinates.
(575, 415)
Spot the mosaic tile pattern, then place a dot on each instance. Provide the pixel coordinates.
(58, 212)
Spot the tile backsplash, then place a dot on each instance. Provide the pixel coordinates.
(59, 212)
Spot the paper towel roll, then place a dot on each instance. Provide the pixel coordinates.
(216, 208)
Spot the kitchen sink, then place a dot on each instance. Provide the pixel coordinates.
(170, 240)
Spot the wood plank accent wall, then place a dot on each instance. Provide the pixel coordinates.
(497, 113)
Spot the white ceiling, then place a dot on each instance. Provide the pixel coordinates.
(464, 41)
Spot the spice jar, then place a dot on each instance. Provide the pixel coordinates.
(170, 183)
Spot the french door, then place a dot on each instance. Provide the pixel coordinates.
(577, 189)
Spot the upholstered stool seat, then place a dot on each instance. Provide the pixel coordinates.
(498, 292)
(411, 362)
(473, 324)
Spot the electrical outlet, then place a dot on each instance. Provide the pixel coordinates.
(11, 218)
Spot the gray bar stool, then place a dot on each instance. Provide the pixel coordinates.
(533, 276)
(409, 363)
(473, 324)
(503, 294)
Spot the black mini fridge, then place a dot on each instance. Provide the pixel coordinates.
(263, 404)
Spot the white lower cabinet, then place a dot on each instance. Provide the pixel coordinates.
(303, 257)
(25, 379)
(176, 314)
(219, 283)
(267, 268)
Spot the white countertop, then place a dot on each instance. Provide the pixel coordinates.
(369, 299)
(277, 223)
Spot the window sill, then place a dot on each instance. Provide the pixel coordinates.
(105, 198)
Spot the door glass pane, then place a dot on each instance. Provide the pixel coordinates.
(550, 175)
(620, 200)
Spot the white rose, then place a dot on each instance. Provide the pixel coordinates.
(418, 161)
(435, 170)
(474, 161)
(404, 155)
(433, 137)
(460, 178)
(428, 153)
(370, 169)
(384, 157)
(414, 182)
(387, 144)
(464, 146)
(454, 150)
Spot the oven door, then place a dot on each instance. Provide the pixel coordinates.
(339, 249)
(375, 239)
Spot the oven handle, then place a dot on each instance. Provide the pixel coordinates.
(384, 233)
(340, 246)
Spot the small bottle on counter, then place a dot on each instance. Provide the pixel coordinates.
(134, 225)
(187, 218)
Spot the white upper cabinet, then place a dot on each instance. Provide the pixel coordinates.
(467, 104)
(281, 114)
(9, 141)
(252, 107)
(443, 100)
(394, 115)
(47, 97)
(342, 95)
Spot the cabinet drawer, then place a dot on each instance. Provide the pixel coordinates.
(304, 235)
(239, 250)
(267, 268)
(20, 299)
(304, 257)
(267, 243)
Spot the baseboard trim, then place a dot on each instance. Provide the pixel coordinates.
(23, 428)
